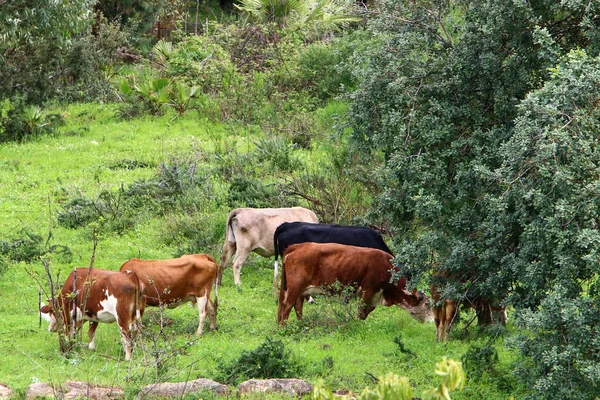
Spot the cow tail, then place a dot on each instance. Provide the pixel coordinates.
(138, 302)
(283, 287)
(228, 227)
(216, 290)
(276, 245)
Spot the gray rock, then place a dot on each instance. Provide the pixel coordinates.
(74, 390)
(291, 386)
(181, 388)
(5, 392)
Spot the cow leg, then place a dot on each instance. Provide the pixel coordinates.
(439, 316)
(298, 305)
(201, 303)
(127, 343)
(284, 308)
(240, 257)
(369, 300)
(92, 334)
(449, 315)
(228, 250)
(275, 279)
(212, 315)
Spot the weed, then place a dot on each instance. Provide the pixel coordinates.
(269, 360)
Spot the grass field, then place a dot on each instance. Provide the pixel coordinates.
(37, 177)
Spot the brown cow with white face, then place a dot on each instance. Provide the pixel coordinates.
(170, 283)
(445, 310)
(308, 267)
(251, 230)
(100, 296)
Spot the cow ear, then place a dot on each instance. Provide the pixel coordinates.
(46, 308)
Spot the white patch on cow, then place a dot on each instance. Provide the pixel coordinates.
(201, 304)
(312, 290)
(378, 299)
(108, 311)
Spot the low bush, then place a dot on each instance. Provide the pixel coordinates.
(176, 187)
(29, 247)
(269, 360)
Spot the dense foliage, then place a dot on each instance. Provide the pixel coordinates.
(488, 120)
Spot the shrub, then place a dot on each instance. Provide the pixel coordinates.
(192, 233)
(269, 360)
(177, 186)
(19, 121)
(248, 192)
(29, 247)
(479, 359)
(197, 61)
(277, 152)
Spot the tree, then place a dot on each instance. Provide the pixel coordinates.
(32, 33)
(474, 181)
(551, 181)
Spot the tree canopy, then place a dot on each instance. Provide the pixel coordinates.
(487, 114)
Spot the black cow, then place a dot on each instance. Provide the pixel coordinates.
(300, 232)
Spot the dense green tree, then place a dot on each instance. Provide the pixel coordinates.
(551, 182)
(32, 33)
(491, 168)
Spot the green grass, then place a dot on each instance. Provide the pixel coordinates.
(37, 177)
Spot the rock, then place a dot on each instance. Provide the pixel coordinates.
(74, 390)
(179, 389)
(291, 386)
(5, 392)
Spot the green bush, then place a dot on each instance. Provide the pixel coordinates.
(277, 152)
(247, 192)
(479, 360)
(269, 360)
(197, 61)
(28, 247)
(176, 187)
(20, 121)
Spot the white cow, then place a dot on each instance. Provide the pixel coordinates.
(251, 230)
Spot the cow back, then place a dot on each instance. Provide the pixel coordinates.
(174, 280)
(290, 233)
(322, 264)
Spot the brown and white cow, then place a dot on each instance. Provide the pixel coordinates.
(170, 283)
(445, 311)
(310, 267)
(251, 230)
(97, 295)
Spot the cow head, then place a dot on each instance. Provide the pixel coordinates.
(417, 304)
(47, 314)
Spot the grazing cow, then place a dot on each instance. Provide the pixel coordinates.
(445, 312)
(309, 267)
(299, 232)
(251, 230)
(97, 295)
(170, 283)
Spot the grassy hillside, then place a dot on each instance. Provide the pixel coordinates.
(95, 153)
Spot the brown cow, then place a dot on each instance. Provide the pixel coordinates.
(445, 312)
(170, 283)
(251, 230)
(307, 267)
(100, 296)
